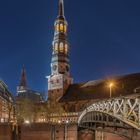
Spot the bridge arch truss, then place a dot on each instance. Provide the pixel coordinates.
(115, 115)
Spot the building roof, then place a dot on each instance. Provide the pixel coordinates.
(23, 80)
(4, 92)
(99, 89)
(32, 95)
(61, 8)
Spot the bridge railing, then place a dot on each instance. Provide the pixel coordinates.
(124, 108)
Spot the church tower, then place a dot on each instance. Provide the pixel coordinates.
(60, 77)
(22, 87)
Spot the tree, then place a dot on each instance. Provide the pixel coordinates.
(24, 110)
(27, 110)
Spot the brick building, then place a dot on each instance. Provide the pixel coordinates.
(75, 97)
(6, 103)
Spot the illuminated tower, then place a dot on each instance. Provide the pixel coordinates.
(60, 78)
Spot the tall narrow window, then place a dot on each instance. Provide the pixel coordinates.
(65, 28)
(57, 27)
(56, 47)
(61, 27)
(66, 48)
(61, 47)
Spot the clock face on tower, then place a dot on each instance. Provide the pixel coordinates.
(54, 67)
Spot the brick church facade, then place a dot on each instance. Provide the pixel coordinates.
(60, 78)
(73, 97)
(76, 96)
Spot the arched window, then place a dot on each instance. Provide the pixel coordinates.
(61, 47)
(56, 47)
(65, 28)
(66, 48)
(61, 27)
(57, 81)
(57, 27)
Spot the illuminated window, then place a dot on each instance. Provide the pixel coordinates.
(57, 27)
(56, 47)
(66, 48)
(61, 27)
(65, 28)
(61, 47)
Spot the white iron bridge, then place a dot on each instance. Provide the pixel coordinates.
(119, 115)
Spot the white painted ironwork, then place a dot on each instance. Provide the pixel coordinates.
(126, 109)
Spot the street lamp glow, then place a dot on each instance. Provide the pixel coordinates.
(27, 122)
(110, 88)
(67, 122)
(111, 85)
(2, 120)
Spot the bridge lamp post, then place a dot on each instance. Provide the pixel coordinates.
(110, 89)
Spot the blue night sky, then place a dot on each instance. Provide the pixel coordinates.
(104, 37)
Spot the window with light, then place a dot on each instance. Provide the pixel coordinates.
(57, 27)
(65, 28)
(66, 48)
(61, 47)
(61, 27)
(56, 47)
